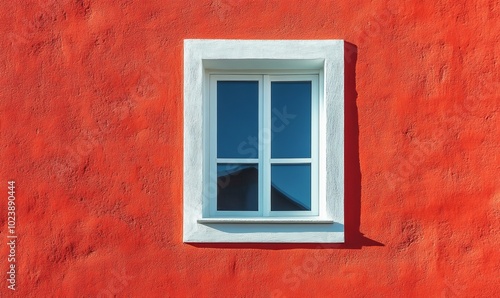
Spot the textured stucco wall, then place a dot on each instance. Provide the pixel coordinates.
(91, 131)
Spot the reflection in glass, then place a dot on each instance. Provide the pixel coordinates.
(237, 118)
(237, 187)
(290, 187)
(291, 119)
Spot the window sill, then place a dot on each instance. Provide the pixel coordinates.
(265, 221)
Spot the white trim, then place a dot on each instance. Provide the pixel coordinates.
(267, 220)
(266, 148)
(323, 57)
(212, 203)
(237, 160)
(261, 63)
(276, 161)
(322, 160)
(315, 148)
(261, 147)
(277, 72)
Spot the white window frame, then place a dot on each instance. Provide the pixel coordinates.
(264, 159)
(267, 58)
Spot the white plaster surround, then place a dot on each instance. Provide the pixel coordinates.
(325, 57)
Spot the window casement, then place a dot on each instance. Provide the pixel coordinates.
(263, 145)
(263, 141)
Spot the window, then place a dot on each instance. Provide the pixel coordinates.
(264, 145)
(263, 141)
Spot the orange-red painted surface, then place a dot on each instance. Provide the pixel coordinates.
(91, 131)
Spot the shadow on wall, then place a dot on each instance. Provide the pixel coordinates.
(352, 183)
(354, 239)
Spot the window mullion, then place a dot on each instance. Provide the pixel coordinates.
(260, 147)
(266, 146)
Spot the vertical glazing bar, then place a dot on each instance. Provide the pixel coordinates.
(266, 144)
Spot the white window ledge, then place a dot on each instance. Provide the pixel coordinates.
(266, 220)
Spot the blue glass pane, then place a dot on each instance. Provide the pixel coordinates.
(290, 187)
(237, 187)
(237, 119)
(291, 119)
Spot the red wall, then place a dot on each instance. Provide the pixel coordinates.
(91, 131)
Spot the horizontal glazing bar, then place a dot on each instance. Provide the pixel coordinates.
(290, 160)
(237, 160)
